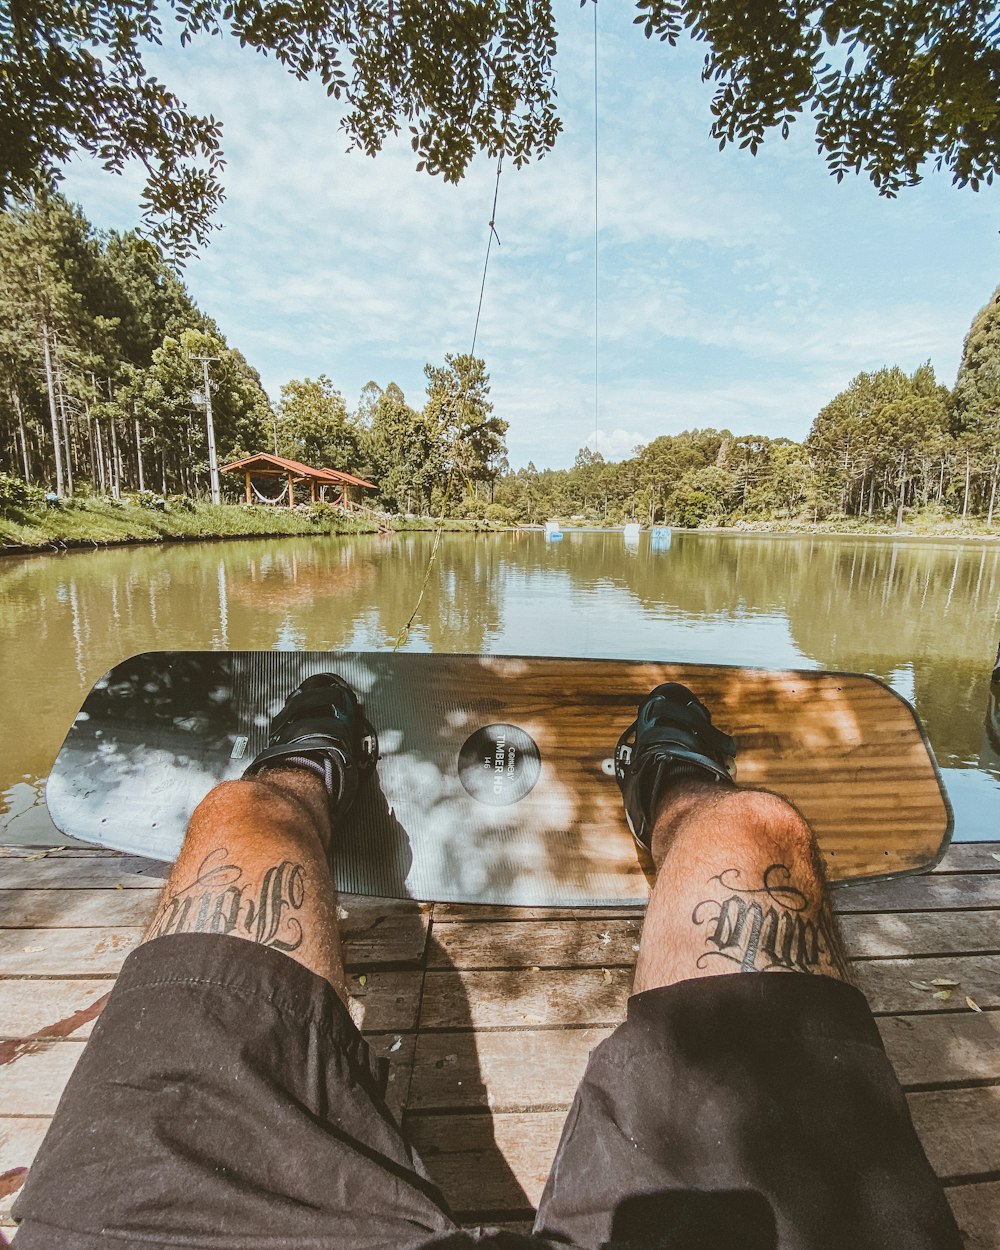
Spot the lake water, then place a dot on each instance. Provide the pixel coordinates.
(922, 615)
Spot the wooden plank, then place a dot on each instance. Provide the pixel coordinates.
(30, 1007)
(958, 1130)
(102, 951)
(565, 943)
(597, 996)
(388, 1002)
(971, 857)
(523, 1070)
(960, 857)
(539, 1069)
(977, 1213)
(943, 1049)
(57, 851)
(886, 983)
(877, 935)
(930, 892)
(488, 1163)
(66, 952)
(505, 1000)
(483, 913)
(19, 1142)
(73, 909)
(398, 1049)
(131, 872)
(33, 1083)
(539, 943)
(383, 931)
(74, 922)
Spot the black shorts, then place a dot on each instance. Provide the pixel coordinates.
(226, 1101)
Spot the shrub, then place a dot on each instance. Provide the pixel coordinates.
(19, 496)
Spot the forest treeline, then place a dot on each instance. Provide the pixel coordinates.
(103, 357)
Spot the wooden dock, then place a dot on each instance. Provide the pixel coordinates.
(487, 1015)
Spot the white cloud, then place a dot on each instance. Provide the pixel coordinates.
(614, 444)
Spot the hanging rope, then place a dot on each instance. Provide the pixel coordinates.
(596, 252)
(404, 633)
(591, 608)
(489, 244)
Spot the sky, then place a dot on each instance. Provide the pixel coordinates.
(731, 291)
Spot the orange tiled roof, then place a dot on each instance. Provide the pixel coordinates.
(264, 459)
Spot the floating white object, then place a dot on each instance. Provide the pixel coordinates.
(553, 530)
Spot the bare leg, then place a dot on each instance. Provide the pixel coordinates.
(254, 865)
(742, 1110)
(739, 888)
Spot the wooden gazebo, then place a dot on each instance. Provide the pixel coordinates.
(263, 465)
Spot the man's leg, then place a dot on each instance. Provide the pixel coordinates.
(735, 1108)
(254, 865)
(739, 888)
(225, 1098)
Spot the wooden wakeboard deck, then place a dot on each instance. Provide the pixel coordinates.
(487, 1015)
(494, 784)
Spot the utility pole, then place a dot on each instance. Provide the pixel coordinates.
(213, 464)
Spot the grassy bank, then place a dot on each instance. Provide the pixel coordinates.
(99, 521)
(915, 524)
(923, 523)
(103, 522)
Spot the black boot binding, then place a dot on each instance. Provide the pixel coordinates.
(671, 738)
(323, 729)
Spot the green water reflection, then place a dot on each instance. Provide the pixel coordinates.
(923, 615)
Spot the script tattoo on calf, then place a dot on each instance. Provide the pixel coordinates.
(767, 928)
(219, 900)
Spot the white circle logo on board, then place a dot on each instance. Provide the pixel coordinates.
(499, 764)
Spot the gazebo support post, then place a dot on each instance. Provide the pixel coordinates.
(249, 499)
(291, 491)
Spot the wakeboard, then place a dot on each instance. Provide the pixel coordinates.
(496, 782)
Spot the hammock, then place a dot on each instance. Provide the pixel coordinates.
(270, 498)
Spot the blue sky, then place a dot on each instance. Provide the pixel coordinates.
(734, 290)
